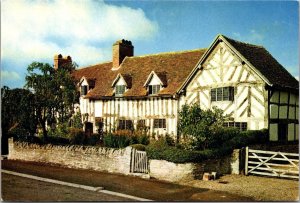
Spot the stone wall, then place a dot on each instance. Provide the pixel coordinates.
(168, 171)
(96, 158)
(118, 161)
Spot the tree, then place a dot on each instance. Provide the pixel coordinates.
(17, 112)
(54, 92)
(200, 127)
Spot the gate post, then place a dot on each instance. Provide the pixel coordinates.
(246, 160)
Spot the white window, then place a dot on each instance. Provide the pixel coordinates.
(154, 89)
(222, 94)
(120, 89)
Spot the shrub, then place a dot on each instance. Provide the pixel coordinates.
(200, 126)
(76, 121)
(18, 133)
(62, 130)
(169, 140)
(110, 140)
(93, 139)
(247, 138)
(139, 147)
(160, 150)
(115, 141)
(76, 136)
(57, 140)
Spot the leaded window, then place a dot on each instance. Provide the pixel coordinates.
(159, 123)
(222, 94)
(154, 89)
(242, 126)
(120, 89)
(125, 125)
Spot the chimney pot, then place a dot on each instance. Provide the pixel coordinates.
(121, 49)
(59, 60)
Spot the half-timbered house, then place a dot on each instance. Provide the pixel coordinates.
(242, 79)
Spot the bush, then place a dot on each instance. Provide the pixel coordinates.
(200, 126)
(247, 138)
(160, 150)
(57, 140)
(231, 139)
(18, 133)
(222, 135)
(124, 138)
(139, 147)
(76, 136)
(93, 139)
(115, 141)
(62, 130)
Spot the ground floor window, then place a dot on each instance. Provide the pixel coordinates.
(125, 125)
(141, 124)
(242, 126)
(159, 123)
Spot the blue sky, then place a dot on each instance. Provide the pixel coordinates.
(86, 29)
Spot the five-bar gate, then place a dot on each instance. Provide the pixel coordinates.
(269, 163)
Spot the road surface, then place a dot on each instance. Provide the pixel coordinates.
(144, 188)
(16, 188)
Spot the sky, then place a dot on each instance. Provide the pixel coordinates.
(86, 29)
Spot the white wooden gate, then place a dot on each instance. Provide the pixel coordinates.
(139, 162)
(271, 163)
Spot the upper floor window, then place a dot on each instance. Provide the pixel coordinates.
(222, 94)
(159, 123)
(120, 89)
(154, 89)
(84, 90)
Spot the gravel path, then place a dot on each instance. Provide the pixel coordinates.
(259, 188)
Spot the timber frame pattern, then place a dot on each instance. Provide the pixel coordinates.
(259, 99)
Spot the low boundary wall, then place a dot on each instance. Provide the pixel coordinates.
(73, 156)
(118, 161)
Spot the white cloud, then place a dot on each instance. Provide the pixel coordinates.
(297, 77)
(9, 75)
(36, 30)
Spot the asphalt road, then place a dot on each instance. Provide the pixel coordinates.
(16, 188)
(144, 188)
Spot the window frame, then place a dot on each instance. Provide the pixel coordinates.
(118, 89)
(241, 126)
(154, 89)
(125, 124)
(159, 123)
(222, 94)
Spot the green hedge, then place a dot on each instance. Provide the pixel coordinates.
(247, 138)
(162, 151)
(121, 141)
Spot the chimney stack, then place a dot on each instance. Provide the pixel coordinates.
(59, 61)
(121, 49)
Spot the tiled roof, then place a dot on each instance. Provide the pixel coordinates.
(264, 62)
(173, 68)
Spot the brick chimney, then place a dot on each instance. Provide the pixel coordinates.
(59, 60)
(121, 49)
